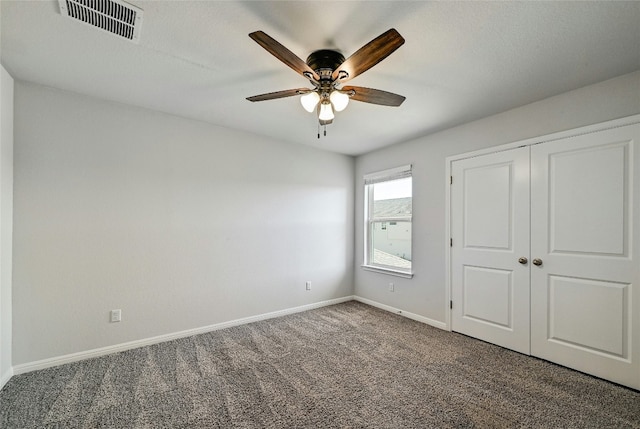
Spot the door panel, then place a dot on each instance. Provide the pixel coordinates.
(586, 327)
(584, 200)
(487, 296)
(487, 215)
(598, 324)
(490, 231)
(587, 192)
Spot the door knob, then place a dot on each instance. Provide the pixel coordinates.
(523, 260)
(537, 262)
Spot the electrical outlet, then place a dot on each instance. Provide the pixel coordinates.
(308, 285)
(391, 287)
(116, 316)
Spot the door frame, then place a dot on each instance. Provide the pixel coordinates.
(601, 126)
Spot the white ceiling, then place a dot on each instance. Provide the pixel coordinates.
(461, 61)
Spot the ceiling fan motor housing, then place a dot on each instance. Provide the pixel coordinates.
(324, 62)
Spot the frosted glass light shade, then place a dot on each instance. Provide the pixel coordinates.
(326, 112)
(309, 101)
(339, 100)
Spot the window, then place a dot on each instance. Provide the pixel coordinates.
(388, 208)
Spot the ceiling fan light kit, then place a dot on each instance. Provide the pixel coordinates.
(339, 99)
(310, 100)
(325, 112)
(327, 70)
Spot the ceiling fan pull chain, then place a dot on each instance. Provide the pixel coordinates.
(325, 130)
(318, 130)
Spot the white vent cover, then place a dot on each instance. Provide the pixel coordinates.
(112, 16)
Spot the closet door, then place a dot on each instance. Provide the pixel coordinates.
(490, 233)
(585, 301)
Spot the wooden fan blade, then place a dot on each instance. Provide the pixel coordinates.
(283, 54)
(374, 96)
(279, 94)
(369, 55)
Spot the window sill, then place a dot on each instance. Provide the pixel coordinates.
(389, 271)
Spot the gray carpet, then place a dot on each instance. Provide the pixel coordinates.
(344, 366)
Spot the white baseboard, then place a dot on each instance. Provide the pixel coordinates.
(74, 357)
(88, 354)
(413, 316)
(4, 379)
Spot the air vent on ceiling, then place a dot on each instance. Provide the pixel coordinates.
(113, 16)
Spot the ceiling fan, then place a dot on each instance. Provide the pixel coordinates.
(327, 70)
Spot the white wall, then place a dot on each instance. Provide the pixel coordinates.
(425, 294)
(6, 216)
(179, 223)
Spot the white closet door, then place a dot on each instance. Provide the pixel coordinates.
(490, 232)
(585, 306)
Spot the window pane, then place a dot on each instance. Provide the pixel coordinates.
(388, 237)
(392, 199)
(400, 188)
(391, 244)
(397, 207)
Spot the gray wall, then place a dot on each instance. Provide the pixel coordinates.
(6, 219)
(180, 224)
(425, 294)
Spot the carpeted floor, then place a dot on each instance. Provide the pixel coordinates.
(344, 366)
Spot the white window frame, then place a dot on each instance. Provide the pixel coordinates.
(371, 179)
